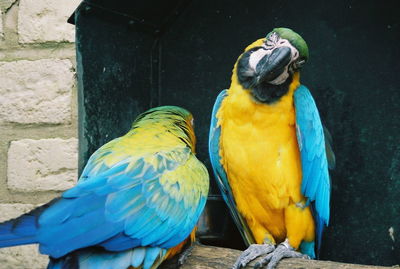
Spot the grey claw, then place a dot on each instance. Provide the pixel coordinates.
(185, 254)
(264, 260)
(282, 251)
(252, 252)
(257, 265)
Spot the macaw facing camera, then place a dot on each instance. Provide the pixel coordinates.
(268, 152)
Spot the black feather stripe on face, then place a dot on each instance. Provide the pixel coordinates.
(262, 91)
(246, 74)
(269, 93)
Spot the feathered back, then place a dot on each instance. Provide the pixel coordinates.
(139, 195)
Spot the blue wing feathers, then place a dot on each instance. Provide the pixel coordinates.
(146, 230)
(123, 203)
(133, 225)
(310, 135)
(84, 188)
(179, 214)
(89, 230)
(126, 208)
(118, 213)
(92, 237)
(120, 242)
(57, 216)
(161, 232)
(180, 236)
(220, 174)
(120, 207)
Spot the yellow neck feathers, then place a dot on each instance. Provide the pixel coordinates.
(242, 106)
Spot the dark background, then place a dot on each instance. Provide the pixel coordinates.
(134, 56)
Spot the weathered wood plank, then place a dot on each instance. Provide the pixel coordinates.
(207, 257)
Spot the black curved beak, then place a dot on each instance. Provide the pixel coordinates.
(272, 65)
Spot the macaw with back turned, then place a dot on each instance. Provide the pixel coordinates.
(136, 203)
(267, 148)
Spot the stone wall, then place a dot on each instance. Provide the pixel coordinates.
(38, 117)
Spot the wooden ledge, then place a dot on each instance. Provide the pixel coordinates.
(207, 257)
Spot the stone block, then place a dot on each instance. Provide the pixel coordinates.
(36, 91)
(42, 165)
(42, 21)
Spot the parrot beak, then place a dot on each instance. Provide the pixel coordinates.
(273, 65)
(266, 70)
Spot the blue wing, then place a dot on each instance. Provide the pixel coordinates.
(220, 174)
(310, 136)
(135, 202)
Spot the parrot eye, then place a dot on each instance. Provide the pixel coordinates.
(298, 64)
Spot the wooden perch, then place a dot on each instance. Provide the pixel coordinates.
(207, 257)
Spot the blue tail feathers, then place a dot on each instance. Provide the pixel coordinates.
(21, 230)
(308, 248)
(142, 257)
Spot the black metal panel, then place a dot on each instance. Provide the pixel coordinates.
(153, 16)
(114, 77)
(352, 74)
(154, 12)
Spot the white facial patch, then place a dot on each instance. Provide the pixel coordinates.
(274, 41)
(256, 56)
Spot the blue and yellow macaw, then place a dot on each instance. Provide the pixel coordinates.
(267, 149)
(136, 203)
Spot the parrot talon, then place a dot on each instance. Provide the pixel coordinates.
(186, 253)
(284, 250)
(252, 252)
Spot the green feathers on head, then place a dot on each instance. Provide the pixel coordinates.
(174, 120)
(171, 110)
(165, 112)
(294, 38)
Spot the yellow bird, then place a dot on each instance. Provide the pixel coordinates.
(267, 148)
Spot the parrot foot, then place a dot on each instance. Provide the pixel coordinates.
(252, 252)
(186, 253)
(283, 250)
